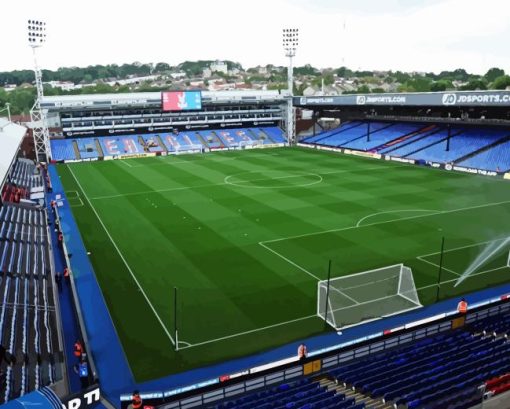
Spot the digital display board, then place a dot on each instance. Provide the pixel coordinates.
(181, 100)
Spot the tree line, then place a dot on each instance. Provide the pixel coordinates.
(21, 99)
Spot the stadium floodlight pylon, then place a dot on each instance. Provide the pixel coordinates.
(36, 39)
(290, 44)
(8, 110)
(367, 296)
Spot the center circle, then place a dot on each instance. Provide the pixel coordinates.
(273, 179)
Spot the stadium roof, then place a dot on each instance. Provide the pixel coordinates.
(424, 99)
(141, 99)
(11, 136)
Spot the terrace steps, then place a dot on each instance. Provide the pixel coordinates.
(202, 140)
(76, 150)
(98, 147)
(161, 144)
(350, 393)
(268, 137)
(218, 139)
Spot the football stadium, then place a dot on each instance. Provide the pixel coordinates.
(226, 249)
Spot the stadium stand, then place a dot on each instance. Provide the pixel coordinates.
(89, 148)
(121, 145)
(495, 326)
(498, 385)
(496, 158)
(462, 144)
(305, 394)
(434, 372)
(407, 139)
(21, 180)
(481, 148)
(61, 148)
(382, 136)
(420, 143)
(350, 133)
(274, 133)
(28, 320)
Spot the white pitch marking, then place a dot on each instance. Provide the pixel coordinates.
(290, 261)
(146, 192)
(395, 211)
(387, 221)
(250, 331)
(126, 163)
(124, 260)
(437, 265)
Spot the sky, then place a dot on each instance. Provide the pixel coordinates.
(407, 35)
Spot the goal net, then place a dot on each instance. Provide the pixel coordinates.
(367, 296)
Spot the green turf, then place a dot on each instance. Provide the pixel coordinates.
(245, 236)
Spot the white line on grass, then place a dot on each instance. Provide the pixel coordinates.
(395, 211)
(147, 192)
(249, 332)
(264, 243)
(240, 183)
(304, 270)
(315, 315)
(290, 261)
(422, 257)
(460, 209)
(76, 205)
(186, 162)
(453, 280)
(464, 247)
(126, 163)
(123, 259)
(437, 265)
(172, 189)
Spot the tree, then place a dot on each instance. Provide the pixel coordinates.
(441, 85)
(494, 73)
(162, 67)
(417, 84)
(344, 72)
(474, 85)
(501, 82)
(401, 76)
(306, 70)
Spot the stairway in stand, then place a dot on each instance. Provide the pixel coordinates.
(360, 397)
(76, 150)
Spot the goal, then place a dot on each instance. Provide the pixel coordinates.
(367, 296)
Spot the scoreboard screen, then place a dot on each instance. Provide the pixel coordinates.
(181, 100)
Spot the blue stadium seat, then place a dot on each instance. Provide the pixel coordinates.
(62, 149)
(494, 159)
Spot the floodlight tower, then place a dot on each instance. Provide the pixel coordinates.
(36, 39)
(290, 44)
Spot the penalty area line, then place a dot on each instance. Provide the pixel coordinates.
(306, 271)
(238, 334)
(437, 265)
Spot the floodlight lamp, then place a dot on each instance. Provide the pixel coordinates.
(36, 33)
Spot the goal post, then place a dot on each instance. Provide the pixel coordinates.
(367, 296)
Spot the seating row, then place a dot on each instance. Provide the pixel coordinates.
(121, 145)
(477, 147)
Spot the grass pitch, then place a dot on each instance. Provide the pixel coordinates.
(245, 236)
